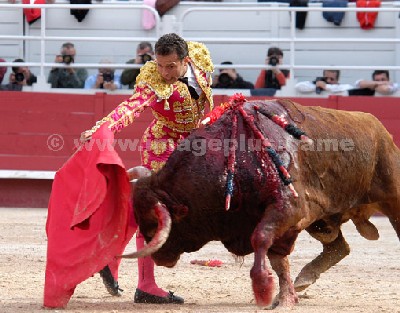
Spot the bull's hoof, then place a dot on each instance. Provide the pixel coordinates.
(283, 304)
(109, 282)
(301, 287)
(144, 297)
(303, 282)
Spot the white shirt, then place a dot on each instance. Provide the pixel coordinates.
(192, 80)
(393, 87)
(308, 87)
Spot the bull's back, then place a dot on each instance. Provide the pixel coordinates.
(349, 153)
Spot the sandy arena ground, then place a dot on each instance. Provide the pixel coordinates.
(367, 281)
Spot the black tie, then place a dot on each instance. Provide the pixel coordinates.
(192, 91)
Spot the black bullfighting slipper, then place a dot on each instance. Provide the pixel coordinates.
(110, 283)
(144, 297)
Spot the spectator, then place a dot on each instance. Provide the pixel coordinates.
(67, 77)
(380, 83)
(228, 78)
(21, 75)
(106, 78)
(273, 78)
(328, 82)
(144, 53)
(3, 70)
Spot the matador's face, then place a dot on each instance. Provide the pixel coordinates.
(171, 67)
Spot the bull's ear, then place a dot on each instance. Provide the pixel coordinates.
(179, 211)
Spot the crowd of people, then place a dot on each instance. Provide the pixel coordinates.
(268, 81)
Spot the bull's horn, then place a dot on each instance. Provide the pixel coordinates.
(137, 172)
(161, 236)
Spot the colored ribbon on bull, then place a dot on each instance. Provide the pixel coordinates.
(236, 103)
(282, 122)
(231, 164)
(283, 173)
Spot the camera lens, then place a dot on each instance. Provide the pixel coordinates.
(318, 90)
(19, 77)
(107, 77)
(146, 57)
(224, 79)
(273, 61)
(67, 59)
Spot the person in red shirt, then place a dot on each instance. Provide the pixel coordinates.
(274, 78)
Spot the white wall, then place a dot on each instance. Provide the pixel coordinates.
(261, 25)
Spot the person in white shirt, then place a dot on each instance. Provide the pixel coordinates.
(329, 82)
(380, 83)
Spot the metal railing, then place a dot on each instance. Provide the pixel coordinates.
(44, 37)
(292, 39)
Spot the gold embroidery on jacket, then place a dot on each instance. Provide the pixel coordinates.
(157, 165)
(199, 55)
(157, 130)
(158, 147)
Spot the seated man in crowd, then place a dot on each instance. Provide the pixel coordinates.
(380, 83)
(106, 78)
(144, 53)
(67, 77)
(329, 82)
(229, 78)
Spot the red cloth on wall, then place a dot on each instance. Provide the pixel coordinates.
(90, 218)
(32, 14)
(367, 19)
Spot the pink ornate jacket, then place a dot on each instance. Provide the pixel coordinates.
(175, 113)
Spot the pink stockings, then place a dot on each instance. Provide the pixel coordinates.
(146, 280)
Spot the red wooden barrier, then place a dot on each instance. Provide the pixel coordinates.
(38, 131)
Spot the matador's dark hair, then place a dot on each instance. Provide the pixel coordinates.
(170, 43)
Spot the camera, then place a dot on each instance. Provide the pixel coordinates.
(273, 60)
(19, 77)
(318, 90)
(225, 80)
(107, 77)
(67, 59)
(146, 57)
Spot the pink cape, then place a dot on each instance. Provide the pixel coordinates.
(90, 218)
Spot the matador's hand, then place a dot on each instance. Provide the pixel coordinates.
(85, 136)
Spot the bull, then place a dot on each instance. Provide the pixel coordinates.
(349, 171)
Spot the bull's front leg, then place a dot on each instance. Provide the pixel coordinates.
(264, 241)
(262, 279)
(287, 296)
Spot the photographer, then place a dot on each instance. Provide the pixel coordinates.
(329, 82)
(273, 78)
(144, 53)
(21, 75)
(229, 79)
(106, 79)
(68, 77)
